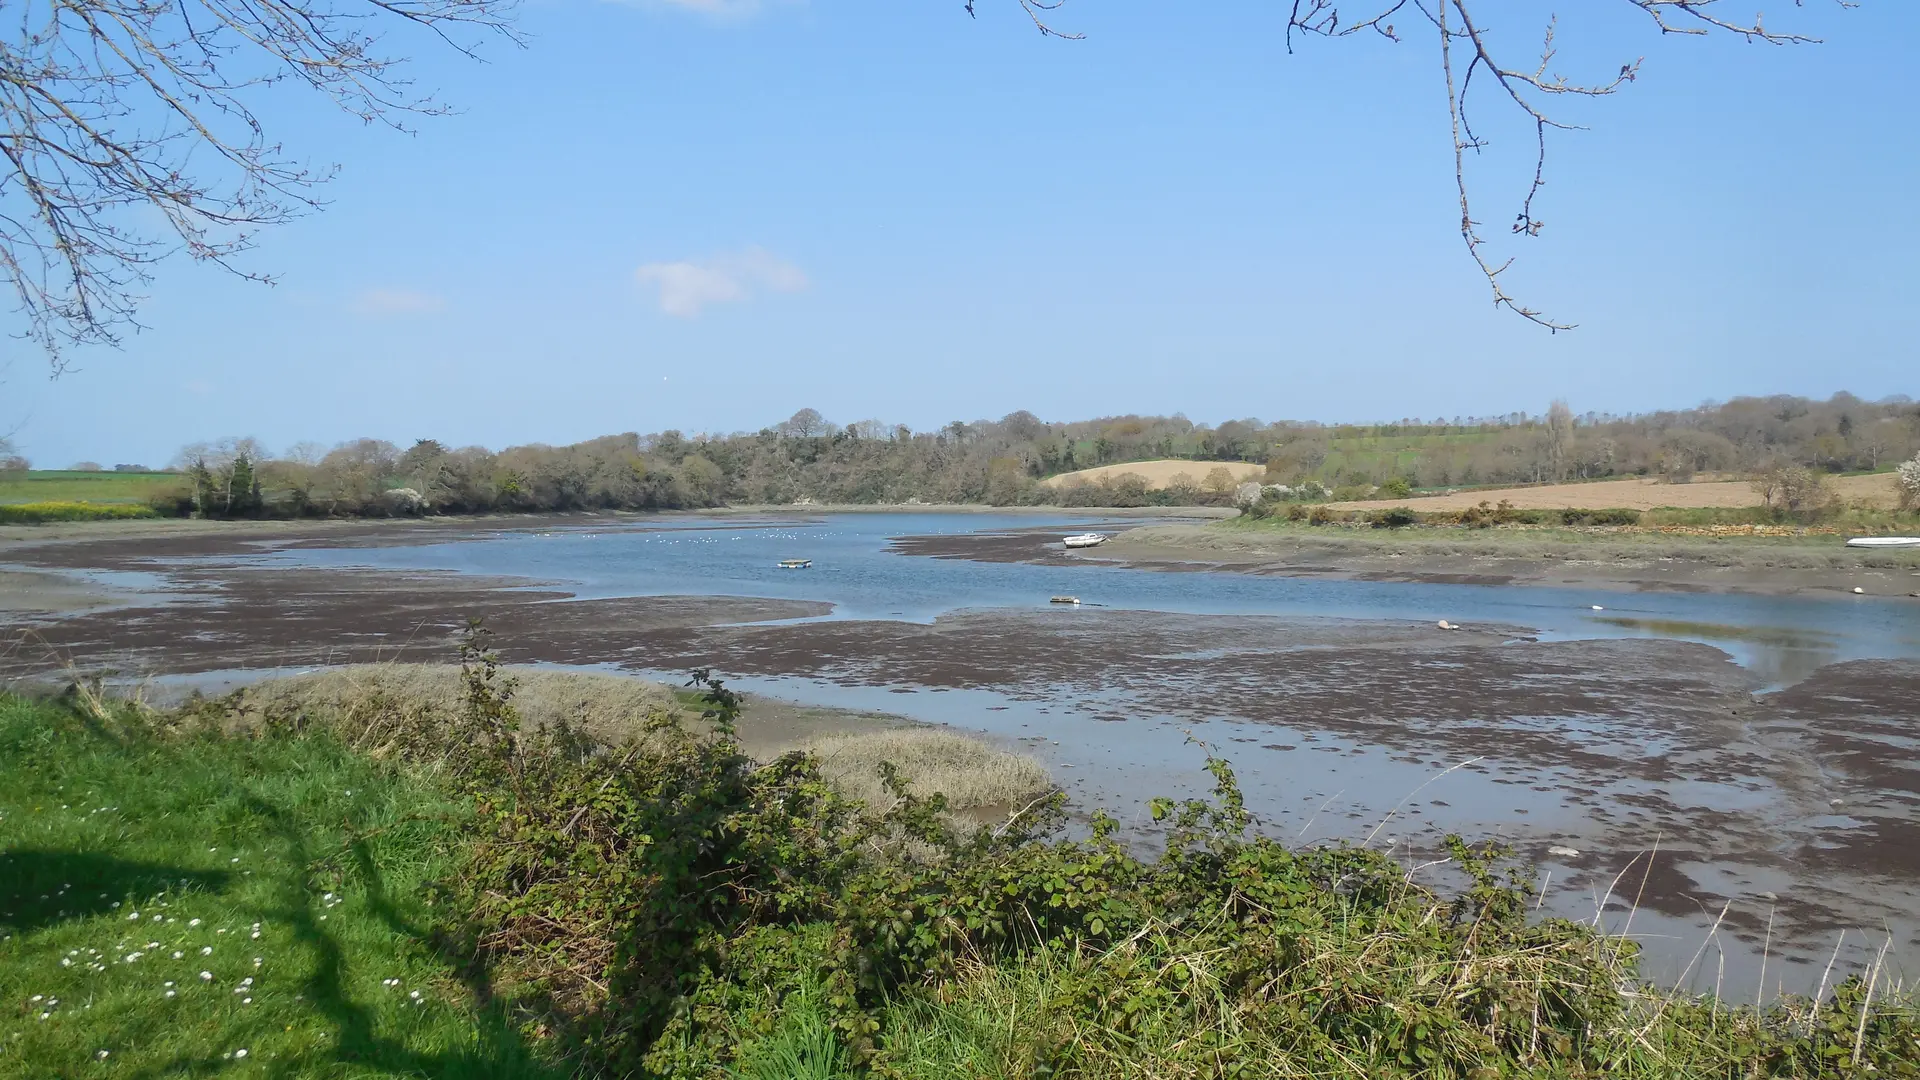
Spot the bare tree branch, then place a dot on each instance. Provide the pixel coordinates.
(1526, 90)
(127, 133)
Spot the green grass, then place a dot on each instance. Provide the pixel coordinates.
(62, 485)
(131, 865)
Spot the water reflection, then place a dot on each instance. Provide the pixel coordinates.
(1780, 655)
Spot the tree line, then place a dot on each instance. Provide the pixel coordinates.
(1004, 462)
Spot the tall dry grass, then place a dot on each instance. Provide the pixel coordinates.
(366, 701)
(972, 773)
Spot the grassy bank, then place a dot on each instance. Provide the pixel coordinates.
(193, 905)
(669, 906)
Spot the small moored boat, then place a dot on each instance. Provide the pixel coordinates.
(795, 564)
(1063, 600)
(1884, 542)
(1085, 540)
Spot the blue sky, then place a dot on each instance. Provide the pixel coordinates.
(706, 214)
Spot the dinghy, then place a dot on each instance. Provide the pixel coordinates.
(1085, 540)
(1884, 542)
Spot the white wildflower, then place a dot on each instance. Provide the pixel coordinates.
(206, 976)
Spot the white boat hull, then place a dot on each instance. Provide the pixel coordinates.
(1884, 542)
(1085, 540)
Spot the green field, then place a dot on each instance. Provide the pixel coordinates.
(64, 485)
(1388, 455)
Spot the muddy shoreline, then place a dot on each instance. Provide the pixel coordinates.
(1657, 761)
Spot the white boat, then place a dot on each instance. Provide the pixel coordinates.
(795, 564)
(1085, 540)
(1885, 542)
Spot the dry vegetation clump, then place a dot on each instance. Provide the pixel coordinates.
(608, 707)
(368, 704)
(972, 773)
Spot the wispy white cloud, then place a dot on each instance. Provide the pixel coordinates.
(719, 9)
(388, 302)
(689, 286)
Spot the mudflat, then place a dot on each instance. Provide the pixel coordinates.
(1634, 561)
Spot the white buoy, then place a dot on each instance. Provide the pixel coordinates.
(1445, 625)
(1858, 591)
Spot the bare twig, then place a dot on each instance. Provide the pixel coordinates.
(1466, 50)
(117, 114)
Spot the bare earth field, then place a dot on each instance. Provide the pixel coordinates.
(1159, 474)
(1638, 494)
(1658, 764)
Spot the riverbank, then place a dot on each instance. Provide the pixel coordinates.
(1593, 558)
(319, 899)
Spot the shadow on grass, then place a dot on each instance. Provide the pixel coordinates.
(39, 888)
(496, 1051)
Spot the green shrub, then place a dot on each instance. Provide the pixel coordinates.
(1600, 517)
(1392, 518)
(1395, 488)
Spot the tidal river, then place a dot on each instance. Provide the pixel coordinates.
(1729, 778)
